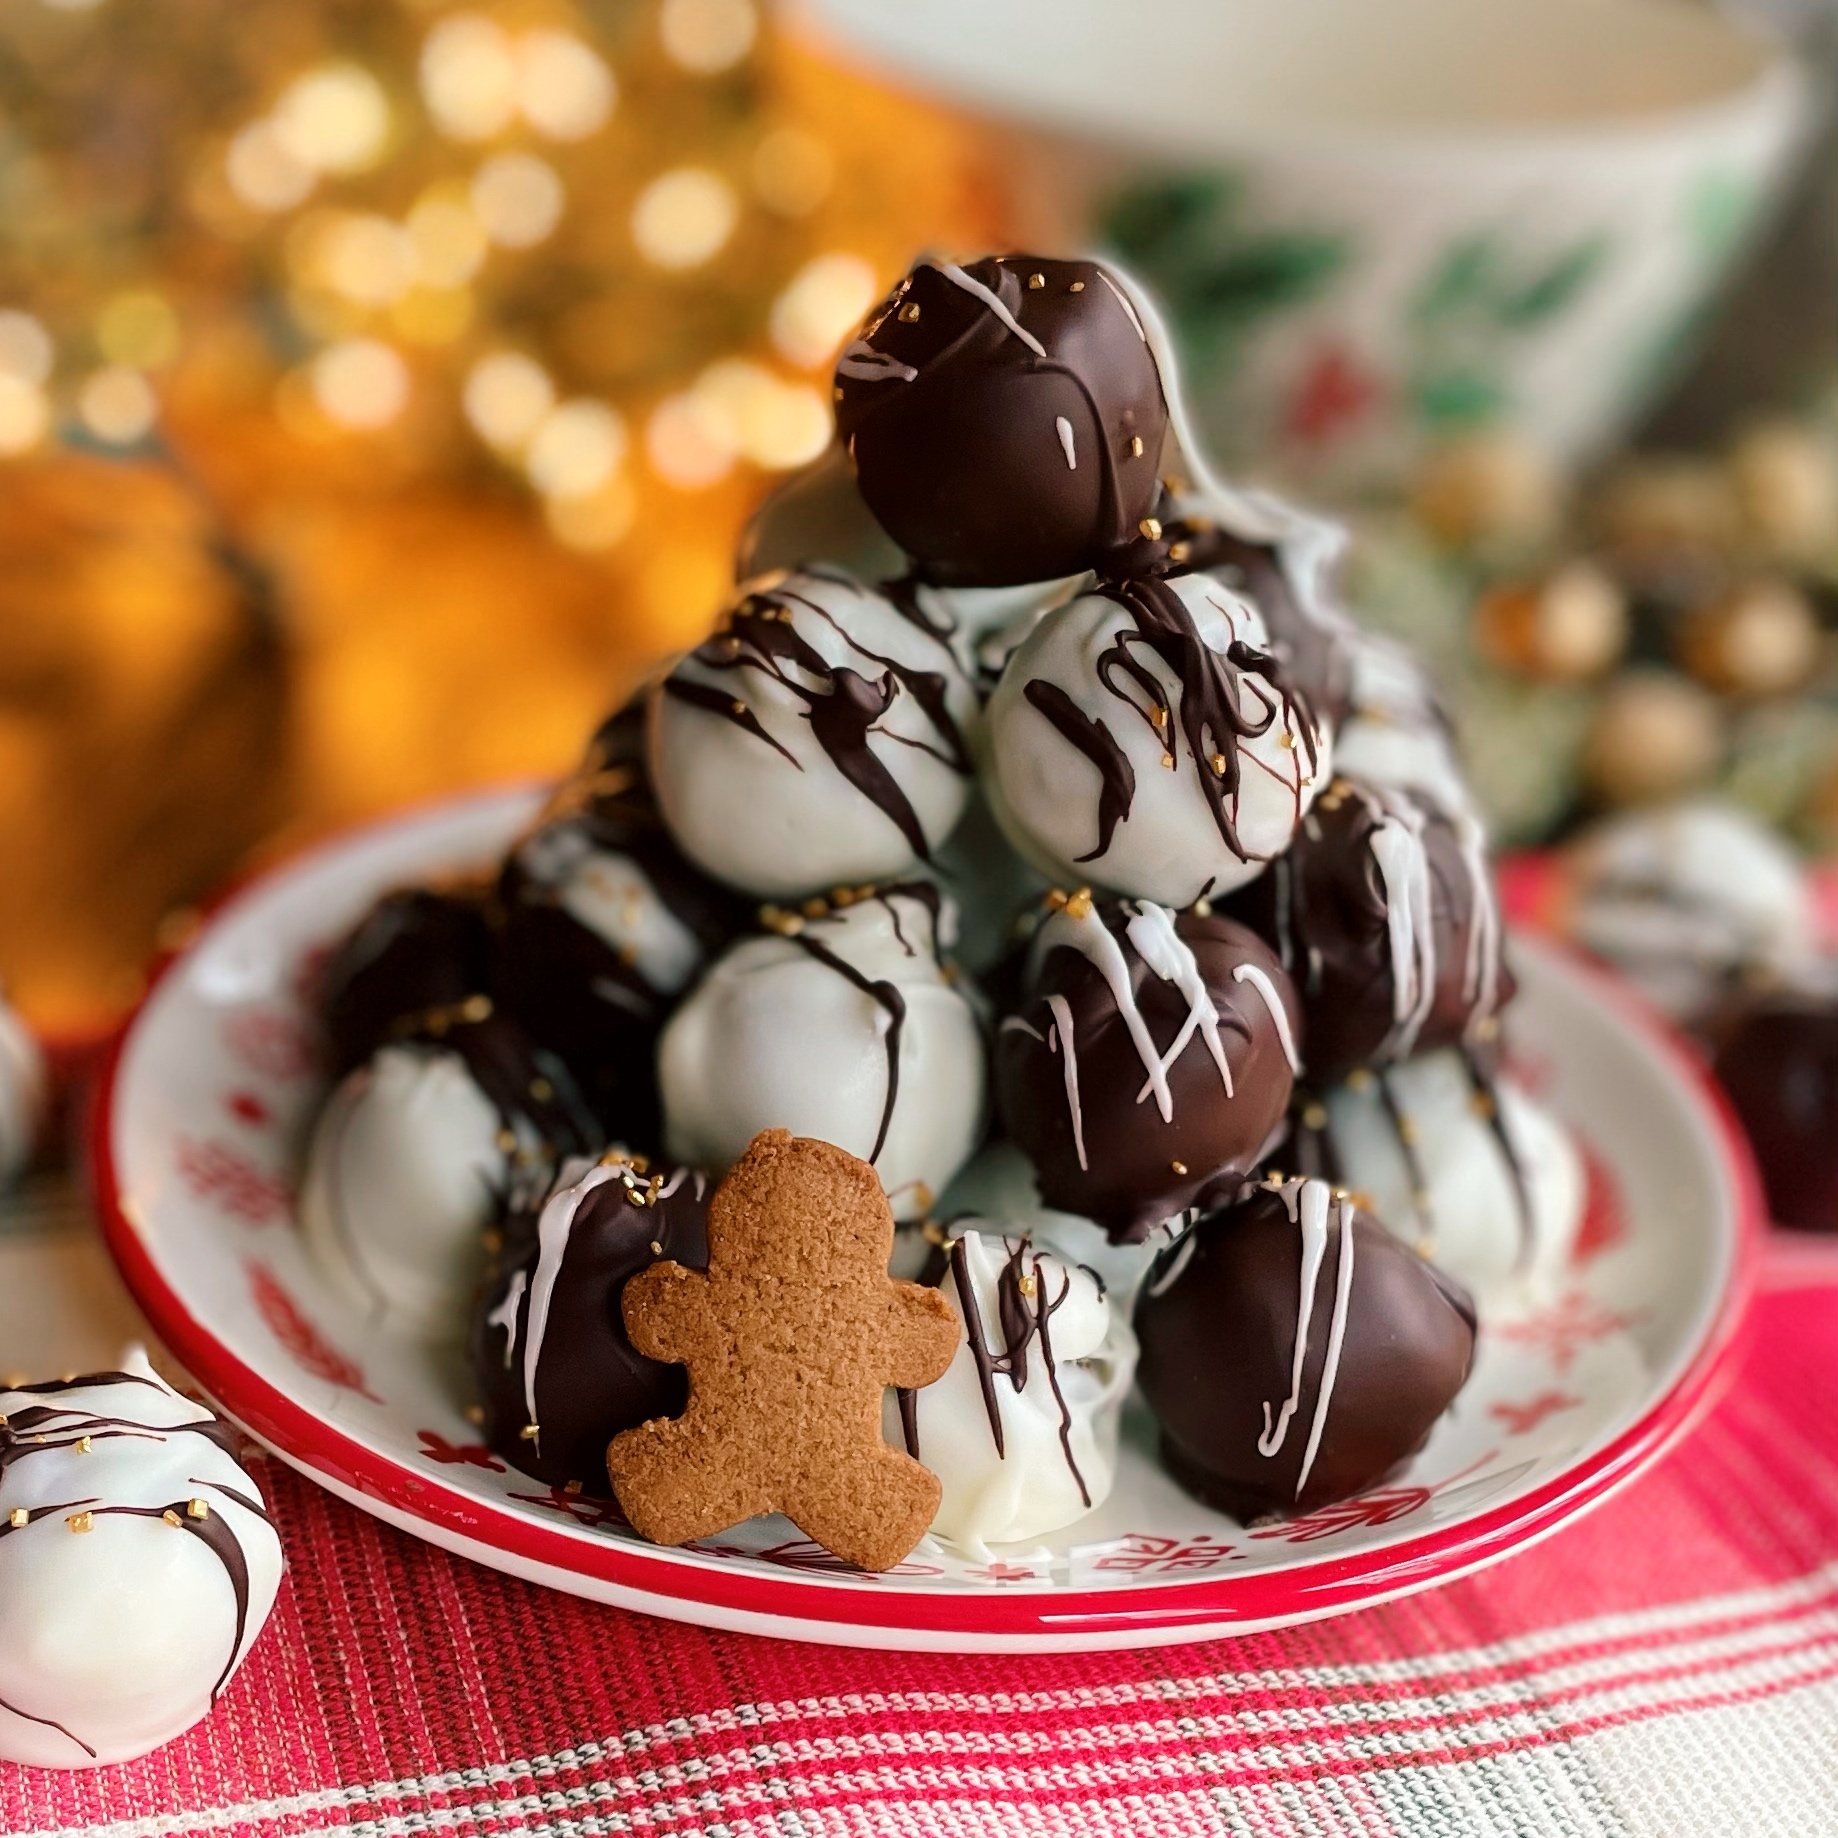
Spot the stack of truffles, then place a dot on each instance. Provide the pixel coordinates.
(1045, 835)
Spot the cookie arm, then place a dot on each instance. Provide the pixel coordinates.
(921, 1335)
(667, 1314)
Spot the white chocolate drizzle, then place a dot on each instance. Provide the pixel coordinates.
(863, 362)
(1307, 1203)
(1255, 977)
(958, 277)
(1151, 930)
(504, 1316)
(1062, 1025)
(1068, 446)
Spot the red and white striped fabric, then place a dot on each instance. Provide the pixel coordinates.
(1667, 1668)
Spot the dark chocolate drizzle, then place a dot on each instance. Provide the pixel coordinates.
(1487, 1089)
(1116, 776)
(1211, 720)
(877, 990)
(845, 707)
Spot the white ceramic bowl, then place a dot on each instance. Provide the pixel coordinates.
(1375, 224)
(196, 1150)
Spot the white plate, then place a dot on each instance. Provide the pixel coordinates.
(215, 1080)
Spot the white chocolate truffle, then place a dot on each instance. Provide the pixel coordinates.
(821, 738)
(416, 1153)
(137, 1567)
(22, 1093)
(1686, 900)
(1022, 1429)
(1472, 1170)
(1139, 743)
(1396, 735)
(849, 1027)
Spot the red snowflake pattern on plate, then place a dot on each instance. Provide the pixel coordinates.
(1561, 1330)
(596, 1514)
(1000, 1572)
(436, 1448)
(275, 1045)
(1382, 1507)
(308, 1348)
(229, 1180)
(1140, 1552)
(1522, 1419)
(1604, 1222)
(246, 1107)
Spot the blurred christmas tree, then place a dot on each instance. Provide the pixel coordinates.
(381, 386)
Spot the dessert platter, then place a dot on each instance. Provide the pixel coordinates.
(994, 1110)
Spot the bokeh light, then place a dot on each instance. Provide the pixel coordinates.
(682, 218)
(576, 449)
(335, 119)
(707, 36)
(118, 406)
(824, 301)
(564, 88)
(518, 199)
(361, 383)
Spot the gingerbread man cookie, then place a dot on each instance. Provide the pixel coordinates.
(790, 1338)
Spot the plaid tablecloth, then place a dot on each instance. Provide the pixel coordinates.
(1667, 1668)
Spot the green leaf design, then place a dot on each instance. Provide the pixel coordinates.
(1552, 290)
(1264, 273)
(1453, 399)
(1463, 277)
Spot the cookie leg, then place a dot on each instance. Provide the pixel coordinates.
(871, 1511)
(675, 1484)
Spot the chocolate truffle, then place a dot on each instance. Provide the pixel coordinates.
(821, 738)
(1384, 913)
(1151, 1063)
(846, 1022)
(1777, 1058)
(417, 949)
(1006, 420)
(1458, 1159)
(1143, 737)
(1294, 1352)
(418, 1152)
(558, 1376)
(1687, 901)
(1022, 1428)
(137, 1566)
(604, 927)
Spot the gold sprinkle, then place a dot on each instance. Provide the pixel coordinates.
(1168, 761)
(475, 1414)
(571, 1488)
(1314, 1117)
(657, 1247)
(1218, 762)
(1179, 551)
(1025, 1283)
(1407, 1131)
(198, 1509)
(1037, 282)
(1487, 1028)
(1178, 1167)
(909, 313)
(475, 1008)
(1343, 1193)
(528, 1433)
(169, 1517)
(1158, 717)
(1135, 446)
(1482, 1104)
(837, 392)
(493, 1240)
(1274, 1178)
(541, 1090)
(1077, 287)
(1359, 1079)
(815, 907)
(1425, 1247)
(1204, 908)
(19, 1518)
(84, 1446)
(81, 1522)
(922, 1196)
(1286, 739)
(1078, 905)
(931, 1231)
(1151, 527)
(737, 706)
(507, 1141)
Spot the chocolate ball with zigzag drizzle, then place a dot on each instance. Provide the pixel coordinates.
(1006, 420)
(1151, 1062)
(821, 738)
(1146, 738)
(137, 1566)
(848, 1021)
(1294, 1352)
(1384, 913)
(557, 1373)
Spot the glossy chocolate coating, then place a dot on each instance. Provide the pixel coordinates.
(1777, 1058)
(1327, 912)
(994, 456)
(417, 949)
(1217, 1322)
(582, 995)
(590, 1381)
(1139, 1169)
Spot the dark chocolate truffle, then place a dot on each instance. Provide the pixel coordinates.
(417, 949)
(558, 1375)
(1151, 1063)
(1383, 911)
(1777, 1058)
(1006, 420)
(605, 925)
(1294, 1352)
